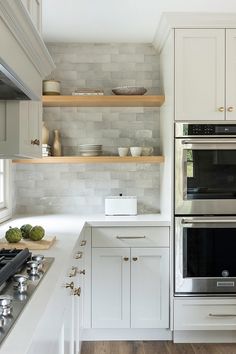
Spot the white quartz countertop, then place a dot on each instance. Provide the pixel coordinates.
(67, 229)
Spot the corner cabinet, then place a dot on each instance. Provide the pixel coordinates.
(130, 277)
(20, 129)
(205, 71)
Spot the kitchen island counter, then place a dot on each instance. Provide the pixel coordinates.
(67, 229)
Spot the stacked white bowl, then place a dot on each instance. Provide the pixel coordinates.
(90, 150)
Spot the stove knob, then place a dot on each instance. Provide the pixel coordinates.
(2, 321)
(6, 304)
(38, 258)
(33, 267)
(20, 282)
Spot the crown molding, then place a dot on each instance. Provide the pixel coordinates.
(172, 20)
(18, 21)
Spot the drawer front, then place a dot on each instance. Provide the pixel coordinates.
(130, 237)
(205, 314)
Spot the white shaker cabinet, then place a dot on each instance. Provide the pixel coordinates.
(20, 129)
(130, 277)
(110, 287)
(199, 74)
(149, 287)
(205, 71)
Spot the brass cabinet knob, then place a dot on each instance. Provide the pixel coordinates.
(230, 109)
(77, 291)
(70, 285)
(221, 109)
(82, 272)
(83, 243)
(135, 259)
(35, 142)
(126, 259)
(78, 255)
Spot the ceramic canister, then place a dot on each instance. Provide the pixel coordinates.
(51, 87)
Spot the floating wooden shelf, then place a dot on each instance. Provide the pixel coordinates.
(93, 159)
(103, 101)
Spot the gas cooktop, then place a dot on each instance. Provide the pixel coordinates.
(20, 274)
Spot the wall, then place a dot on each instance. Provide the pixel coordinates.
(82, 188)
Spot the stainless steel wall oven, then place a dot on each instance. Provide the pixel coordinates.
(205, 169)
(205, 255)
(205, 209)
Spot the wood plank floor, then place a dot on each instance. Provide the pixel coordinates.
(155, 347)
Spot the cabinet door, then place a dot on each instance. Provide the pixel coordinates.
(31, 128)
(199, 74)
(149, 287)
(231, 74)
(110, 287)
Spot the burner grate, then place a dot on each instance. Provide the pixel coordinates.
(11, 261)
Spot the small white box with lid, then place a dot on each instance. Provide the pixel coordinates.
(121, 205)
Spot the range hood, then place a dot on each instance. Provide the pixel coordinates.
(11, 87)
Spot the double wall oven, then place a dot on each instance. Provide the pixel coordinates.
(205, 209)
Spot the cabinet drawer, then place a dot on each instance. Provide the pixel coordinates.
(209, 314)
(130, 237)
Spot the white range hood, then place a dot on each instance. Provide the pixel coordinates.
(23, 54)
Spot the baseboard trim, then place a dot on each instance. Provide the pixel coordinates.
(126, 334)
(204, 336)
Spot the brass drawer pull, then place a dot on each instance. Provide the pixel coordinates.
(73, 272)
(135, 259)
(83, 243)
(82, 272)
(126, 259)
(78, 255)
(69, 285)
(77, 291)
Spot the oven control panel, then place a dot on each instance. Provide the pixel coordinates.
(209, 129)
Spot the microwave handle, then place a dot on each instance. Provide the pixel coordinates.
(208, 141)
(206, 221)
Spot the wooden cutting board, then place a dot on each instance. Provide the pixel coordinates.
(43, 244)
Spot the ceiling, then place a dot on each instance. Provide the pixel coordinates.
(115, 21)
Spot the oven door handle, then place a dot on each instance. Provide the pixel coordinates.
(207, 221)
(209, 141)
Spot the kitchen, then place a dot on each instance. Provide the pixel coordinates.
(137, 257)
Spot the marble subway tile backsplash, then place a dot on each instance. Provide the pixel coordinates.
(111, 127)
(43, 189)
(65, 188)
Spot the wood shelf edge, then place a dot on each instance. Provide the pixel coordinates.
(103, 101)
(92, 159)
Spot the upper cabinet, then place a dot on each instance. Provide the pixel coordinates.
(24, 61)
(205, 71)
(20, 129)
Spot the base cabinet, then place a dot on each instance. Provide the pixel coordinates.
(130, 287)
